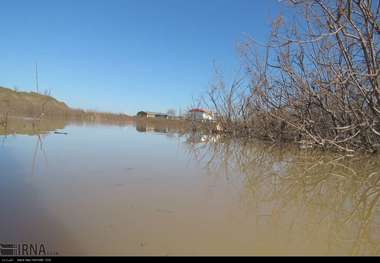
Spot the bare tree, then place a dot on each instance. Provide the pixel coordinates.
(315, 81)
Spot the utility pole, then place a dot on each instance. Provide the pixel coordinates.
(37, 77)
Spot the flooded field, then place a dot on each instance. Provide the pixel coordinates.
(149, 190)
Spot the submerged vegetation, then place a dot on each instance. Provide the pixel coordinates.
(315, 82)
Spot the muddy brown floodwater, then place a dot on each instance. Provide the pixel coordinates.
(146, 190)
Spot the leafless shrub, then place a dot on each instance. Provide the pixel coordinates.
(315, 83)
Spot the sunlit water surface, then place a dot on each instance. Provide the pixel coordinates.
(122, 190)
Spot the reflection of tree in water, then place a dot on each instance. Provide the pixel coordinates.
(39, 128)
(39, 148)
(307, 197)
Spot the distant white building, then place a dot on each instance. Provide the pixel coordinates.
(200, 115)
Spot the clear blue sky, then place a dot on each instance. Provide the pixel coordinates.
(125, 55)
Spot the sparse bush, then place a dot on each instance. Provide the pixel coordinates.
(316, 82)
